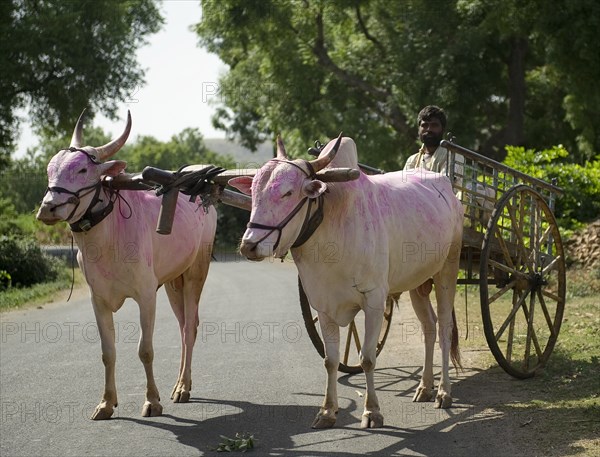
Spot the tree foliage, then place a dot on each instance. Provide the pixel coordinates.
(58, 57)
(185, 148)
(504, 70)
(580, 202)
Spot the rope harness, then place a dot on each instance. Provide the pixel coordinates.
(90, 218)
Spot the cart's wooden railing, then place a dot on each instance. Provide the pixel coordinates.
(481, 183)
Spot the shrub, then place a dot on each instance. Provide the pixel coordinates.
(5, 280)
(8, 219)
(25, 263)
(581, 200)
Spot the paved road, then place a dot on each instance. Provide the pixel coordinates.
(254, 371)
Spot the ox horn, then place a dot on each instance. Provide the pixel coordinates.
(77, 138)
(321, 162)
(281, 154)
(104, 152)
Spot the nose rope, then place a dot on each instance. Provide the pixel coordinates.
(279, 227)
(75, 196)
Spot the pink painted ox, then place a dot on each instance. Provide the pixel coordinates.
(391, 233)
(122, 256)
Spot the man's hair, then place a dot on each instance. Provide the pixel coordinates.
(431, 112)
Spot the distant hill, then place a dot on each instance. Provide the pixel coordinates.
(241, 155)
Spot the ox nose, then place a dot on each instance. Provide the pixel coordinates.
(248, 249)
(46, 214)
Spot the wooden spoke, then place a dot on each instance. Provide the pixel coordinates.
(507, 269)
(529, 334)
(546, 271)
(356, 338)
(352, 334)
(546, 314)
(502, 291)
(551, 295)
(511, 315)
(520, 238)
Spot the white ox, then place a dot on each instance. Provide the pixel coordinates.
(391, 233)
(122, 256)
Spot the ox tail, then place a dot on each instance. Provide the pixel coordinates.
(454, 349)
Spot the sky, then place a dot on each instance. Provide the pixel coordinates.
(181, 83)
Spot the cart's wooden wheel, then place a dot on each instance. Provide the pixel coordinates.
(522, 281)
(350, 342)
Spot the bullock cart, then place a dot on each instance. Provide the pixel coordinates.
(511, 249)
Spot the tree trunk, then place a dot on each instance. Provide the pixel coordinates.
(512, 133)
(516, 92)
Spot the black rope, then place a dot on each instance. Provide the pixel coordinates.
(119, 199)
(466, 312)
(72, 268)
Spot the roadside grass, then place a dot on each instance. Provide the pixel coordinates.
(563, 399)
(19, 297)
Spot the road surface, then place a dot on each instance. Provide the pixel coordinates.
(255, 370)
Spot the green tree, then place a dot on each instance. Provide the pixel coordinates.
(502, 69)
(549, 54)
(185, 148)
(58, 57)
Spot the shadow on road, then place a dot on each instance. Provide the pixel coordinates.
(481, 421)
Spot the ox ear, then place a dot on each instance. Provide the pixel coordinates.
(242, 183)
(113, 167)
(314, 188)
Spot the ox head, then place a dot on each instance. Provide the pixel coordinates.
(280, 192)
(74, 176)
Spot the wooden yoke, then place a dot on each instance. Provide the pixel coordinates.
(151, 177)
(325, 175)
(243, 201)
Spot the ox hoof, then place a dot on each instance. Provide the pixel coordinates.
(102, 412)
(423, 394)
(322, 421)
(371, 420)
(443, 401)
(152, 409)
(182, 396)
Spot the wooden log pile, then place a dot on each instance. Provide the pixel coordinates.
(583, 247)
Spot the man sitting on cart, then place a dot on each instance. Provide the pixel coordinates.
(431, 121)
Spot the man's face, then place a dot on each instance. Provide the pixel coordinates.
(431, 132)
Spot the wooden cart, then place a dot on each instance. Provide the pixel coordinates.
(511, 249)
